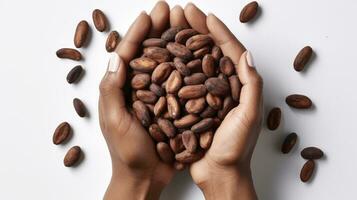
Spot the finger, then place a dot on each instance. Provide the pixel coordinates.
(160, 16)
(111, 93)
(137, 32)
(252, 87)
(177, 17)
(224, 38)
(196, 18)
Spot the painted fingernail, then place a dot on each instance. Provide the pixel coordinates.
(250, 59)
(113, 64)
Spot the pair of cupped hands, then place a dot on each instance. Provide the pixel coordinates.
(138, 173)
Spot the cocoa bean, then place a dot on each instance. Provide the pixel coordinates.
(80, 36)
(100, 20)
(289, 143)
(158, 54)
(248, 12)
(302, 58)
(176, 144)
(155, 42)
(235, 86)
(298, 101)
(142, 113)
(214, 101)
(199, 53)
(226, 66)
(198, 41)
(146, 96)
(143, 64)
(274, 118)
(186, 121)
(167, 127)
(312, 153)
(195, 106)
(79, 107)
(140, 81)
(170, 34)
(69, 53)
(187, 157)
(156, 133)
(161, 72)
(206, 139)
(182, 36)
(173, 106)
(189, 140)
(112, 41)
(202, 126)
(74, 74)
(307, 171)
(208, 67)
(217, 86)
(165, 153)
(62, 133)
(195, 79)
(174, 82)
(216, 53)
(179, 50)
(181, 67)
(159, 91)
(192, 91)
(160, 106)
(72, 156)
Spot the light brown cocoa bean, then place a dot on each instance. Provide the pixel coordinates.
(146, 96)
(203, 125)
(156, 133)
(192, 91)
(248, 12)
(235, 86)
(208, 67)
(112, 41)
(100, 20)
(161, 72)
(160, 106)
(182, 36)
(81, 34)
(72, 156)
(189, 140)
(206, 139)
(174, 82)
(198, 41)
(173, 106)
(226, 66)
(214, 101)
(62, 133)
(195, 79)
(165, 152)
(158, 54)
(217, 86)
(140, 81)
(143, 64)
(167, 127)
(186, 121)
(195, 106)
(142, 113)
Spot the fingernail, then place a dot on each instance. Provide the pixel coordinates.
(144, 12)
(113, 64)
(249, 58)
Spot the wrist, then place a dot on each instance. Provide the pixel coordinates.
(228, 183)
(126, 184)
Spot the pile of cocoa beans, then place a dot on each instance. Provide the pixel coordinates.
(182, 87)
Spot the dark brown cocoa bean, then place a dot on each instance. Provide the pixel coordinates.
(226, 66)
(302, 58)
(289, 143)
(203, 125)
(80, 108)
(200, 53)
(158, 90)
(187, 157)
(298, 101)
(156, 133)
(195, 65)
(74, 74)
(208, 112)
(216, 53)
(214, 101)
(274, 118)
(228, 105)
(181, 67)
(69, 53)
(307, 171)
(170, 34)
(176, 144)
(235, 86)
(167, 127)
(312, 153)
(217, 86)
(142, 113)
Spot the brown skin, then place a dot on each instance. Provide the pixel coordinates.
(224, 172)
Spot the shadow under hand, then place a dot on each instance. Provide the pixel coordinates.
(179, 188)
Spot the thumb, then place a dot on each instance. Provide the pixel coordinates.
(111, 98)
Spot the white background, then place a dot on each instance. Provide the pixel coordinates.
(35, 97)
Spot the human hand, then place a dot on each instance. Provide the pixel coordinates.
(224, 172)
(138, 173)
